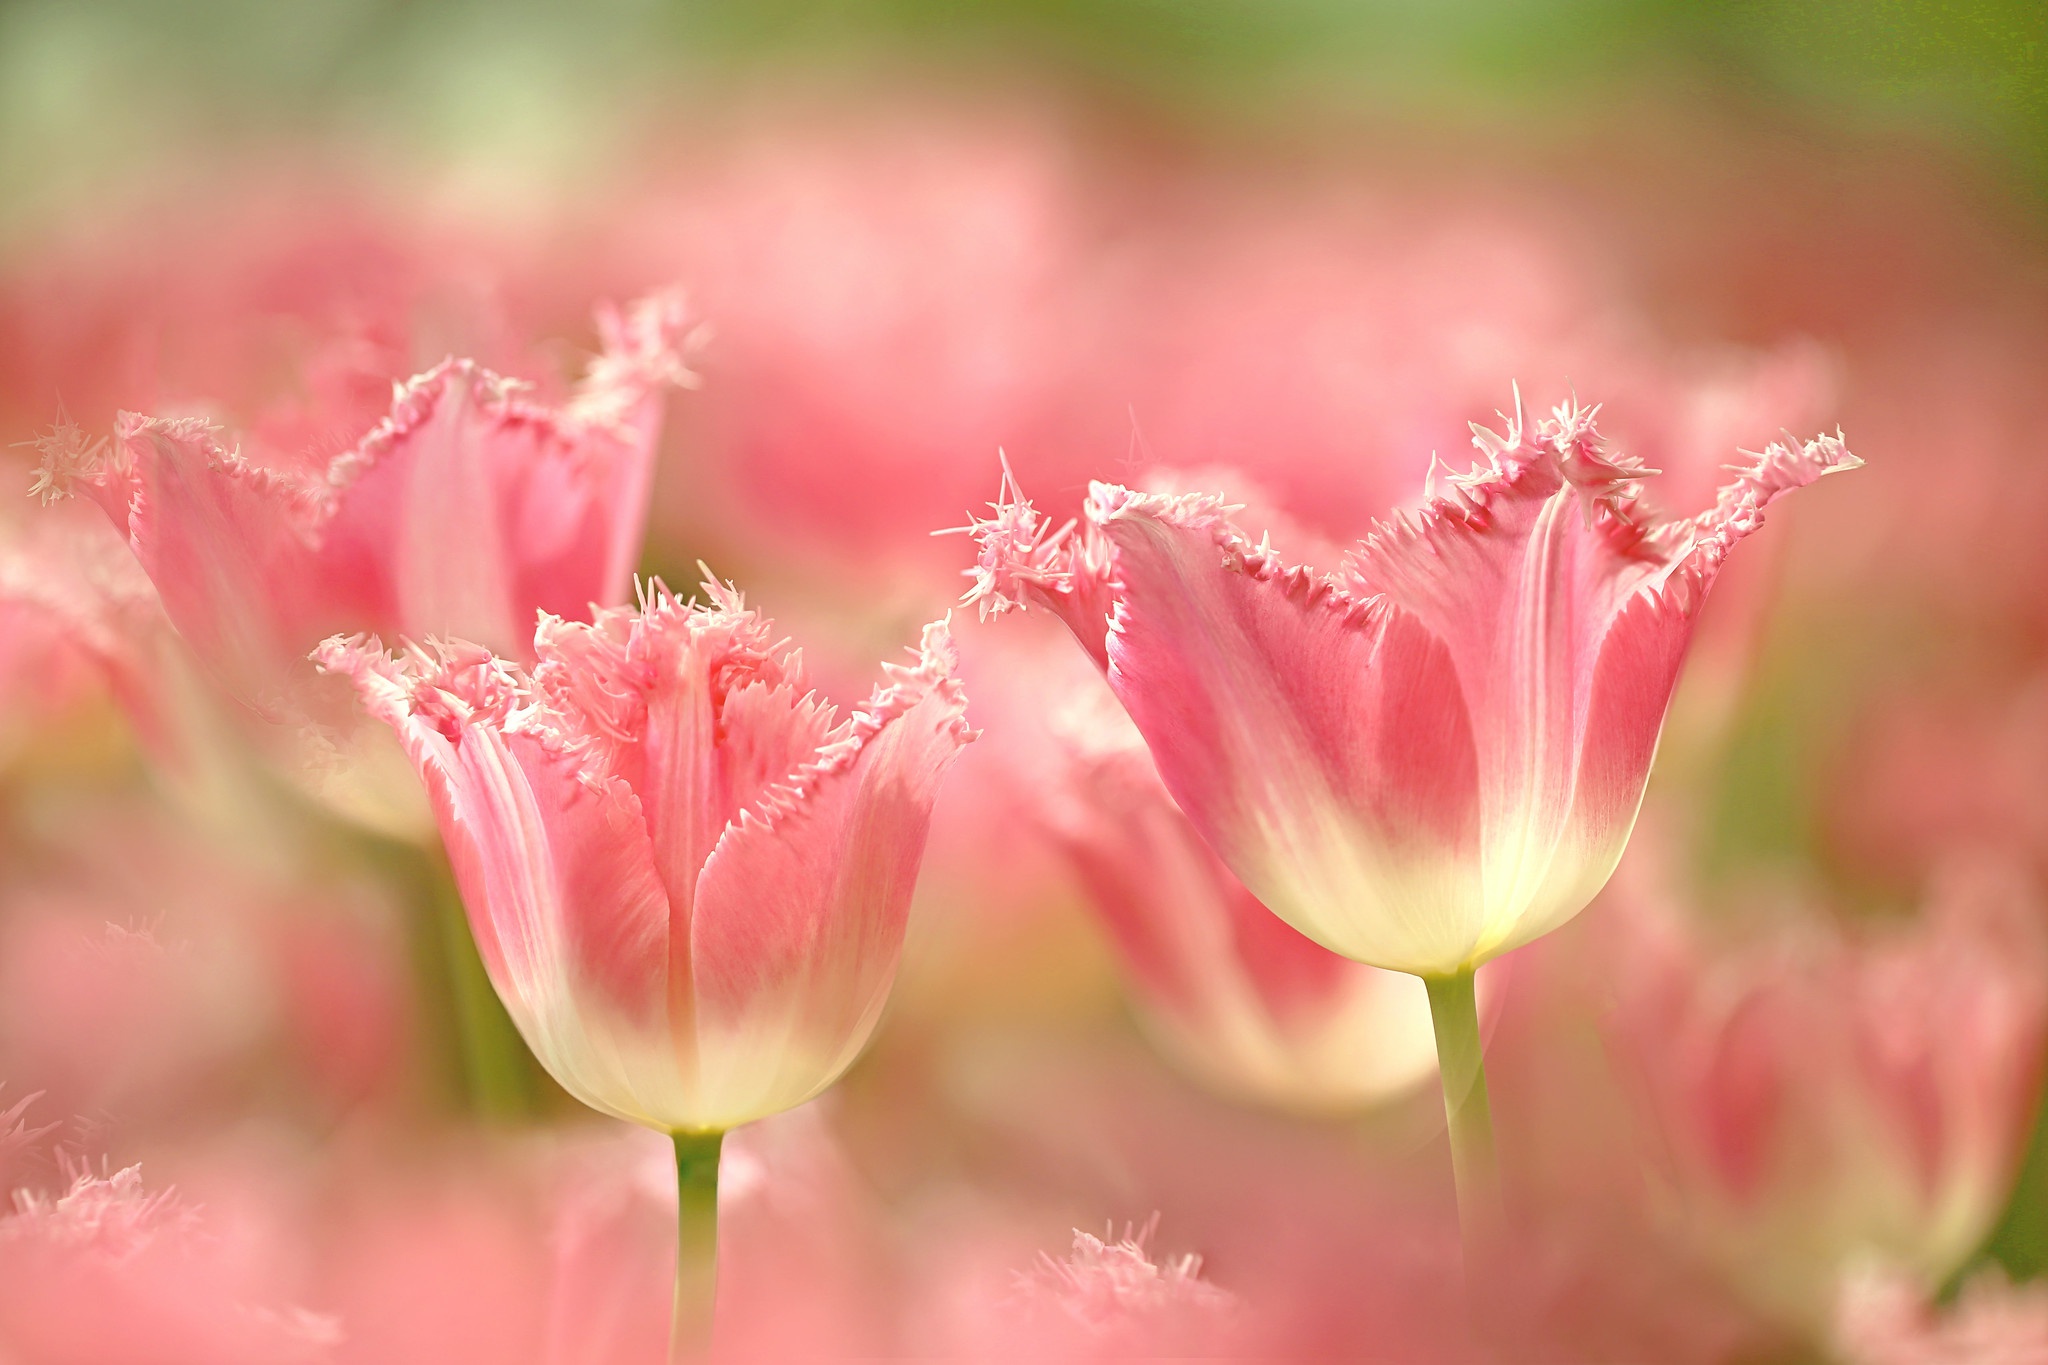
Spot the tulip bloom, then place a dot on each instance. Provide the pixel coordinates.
(1821, 1101)
(464, 513)
(688, 878)
(1432, 753)
(1231, 993)
(1428, 754)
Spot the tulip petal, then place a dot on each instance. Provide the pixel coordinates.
(1319, 742)
(1226, 987)
(554, 865)
(463, 513)
(801, 907)
(1022, 559)
(472, 509)
(699, 708)
(207, 525)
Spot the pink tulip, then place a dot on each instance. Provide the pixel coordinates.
(1884, 1319)
(688, 878)
(1231, 993)
(1819, 1101)
(1433, 752)
(465, 511)
(78, 617)
(111, 1270)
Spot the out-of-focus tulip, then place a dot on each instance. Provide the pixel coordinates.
(900, 290)
(1885, 1319)
(688, 877)
(110, 1270)
(467, 511)
(1941, 768)
(1109, 1298)
(77, 616)
(1889, 1321)
(1229, 991)
(1821, 1102)
(174, 979)
(1433, 753)
(16, 1136)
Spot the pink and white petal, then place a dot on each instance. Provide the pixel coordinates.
(557, 874)
(1223, 984)
(1158, 890)
(474, 510)
(224, 542)
(1522, 593)
(419, 506)
(1319, 743)
(1631, 686)
(677, 754)
(801, 908)
(1630, 683)
(1566, 616)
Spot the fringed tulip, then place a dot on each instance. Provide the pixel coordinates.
(465, 512)
(689, 878)
(112, 1270)
(1432, 753)
(1821, 1102)
(1230, 992)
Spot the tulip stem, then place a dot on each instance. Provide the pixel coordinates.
(1454, 1011)
(495, 1070)
(691, 1316)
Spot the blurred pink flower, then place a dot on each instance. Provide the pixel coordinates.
(1434, 753)
(1111, 1298)
(1325, 334)
(794, 1210)
(1942, 767)
(466, 511)
(688, 878)
(1818, 1100)
(79, 617)
(422, 1262)
(1230, 992)
(176, 981)
(1887, 1320)
(893, 299)
(111, 1271)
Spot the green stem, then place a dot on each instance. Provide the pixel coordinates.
(691, 1316)
(478, 1052)
(1454, 1010)
(495, 1071)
